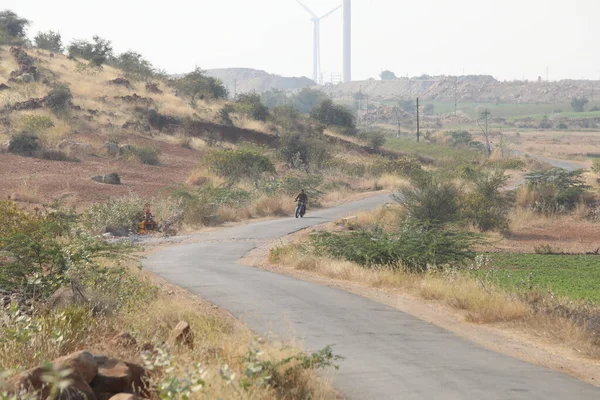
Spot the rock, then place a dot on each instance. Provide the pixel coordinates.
(153, 88)
(112, 148)
(118, 232)
(136, 99)
(84, 369)
(182, 334)
(120, 82)
(110, 179)
(123, 339)
(125, 396)
(66, 297)
(4, 87)
(116, 376)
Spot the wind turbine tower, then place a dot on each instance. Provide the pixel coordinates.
(316, 20)
(347, 41)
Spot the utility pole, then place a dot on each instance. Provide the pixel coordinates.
(367, 115)
(455, 94)
(418, 126)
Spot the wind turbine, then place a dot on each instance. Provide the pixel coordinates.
(316, 20)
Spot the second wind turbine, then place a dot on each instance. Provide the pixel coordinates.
(316, 20)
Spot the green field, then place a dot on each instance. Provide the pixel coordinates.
(574, 276)
(436, 151)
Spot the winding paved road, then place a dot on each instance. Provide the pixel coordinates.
(389, 354)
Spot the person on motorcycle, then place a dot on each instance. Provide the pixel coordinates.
(302, 197)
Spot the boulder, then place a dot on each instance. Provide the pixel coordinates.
(120, 82)
(123, 339)
(116, 376)
(182, 334)
(153, 88)
(4, 87)
(66, 297)
(110, 179)
(84, 369)
(112, 148)
(125, 396)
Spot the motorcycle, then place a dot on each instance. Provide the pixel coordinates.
(300, 209)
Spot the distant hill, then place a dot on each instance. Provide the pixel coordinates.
(474, 88)
(249, 80)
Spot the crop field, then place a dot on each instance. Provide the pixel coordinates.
(574, 276)
(436, 151)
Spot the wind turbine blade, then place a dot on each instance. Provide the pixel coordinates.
(308, 10)
(331, 12)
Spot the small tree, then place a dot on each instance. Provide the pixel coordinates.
(134, 65)
(197, 86)
(274, 98)
(431, 200)
(97, 53)
(307, 98)
(331, 114)
(556, 190)
(51, 41)
(429, 109)
(387, 76)
(250, 105)
(579, 104)
(59, 99)
(486, 206)
(12, 28)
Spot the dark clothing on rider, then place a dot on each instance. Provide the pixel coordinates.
(302, 197)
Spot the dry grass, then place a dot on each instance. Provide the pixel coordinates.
(388, 217)
(202, 176)
(219, 342)
(392, 182)
(27, 193)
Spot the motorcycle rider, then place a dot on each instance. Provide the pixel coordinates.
(302, 197)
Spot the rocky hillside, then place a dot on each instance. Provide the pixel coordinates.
(468, 88)
(249, 80)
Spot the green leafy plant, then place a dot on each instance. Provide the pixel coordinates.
(557, 190)
(51, 41)
(239, 164)
(59, 99)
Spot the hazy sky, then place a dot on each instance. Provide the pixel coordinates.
(505, 38)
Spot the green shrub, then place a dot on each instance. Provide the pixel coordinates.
(116, 214)
(415, 247)
(25, 144)
(148, 155)
(400, 166)
(59, 99)
(514, 164)
(51, 41)
(97, 53)
(486, 206)
(239, 164)
(249, 104)
(12, 28)
(134, 65)
(596, 165)
(302, 152)
(557, 190)
(332, 114)
(432, 199)
(196, 85)
(36, 123)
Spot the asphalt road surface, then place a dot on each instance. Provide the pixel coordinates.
(389, 354)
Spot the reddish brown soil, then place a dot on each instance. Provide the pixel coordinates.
(45, 181)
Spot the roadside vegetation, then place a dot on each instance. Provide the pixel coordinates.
(441, 242)
(64, 290)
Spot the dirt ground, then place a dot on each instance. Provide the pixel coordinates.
(559, 144)
(32, 180)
